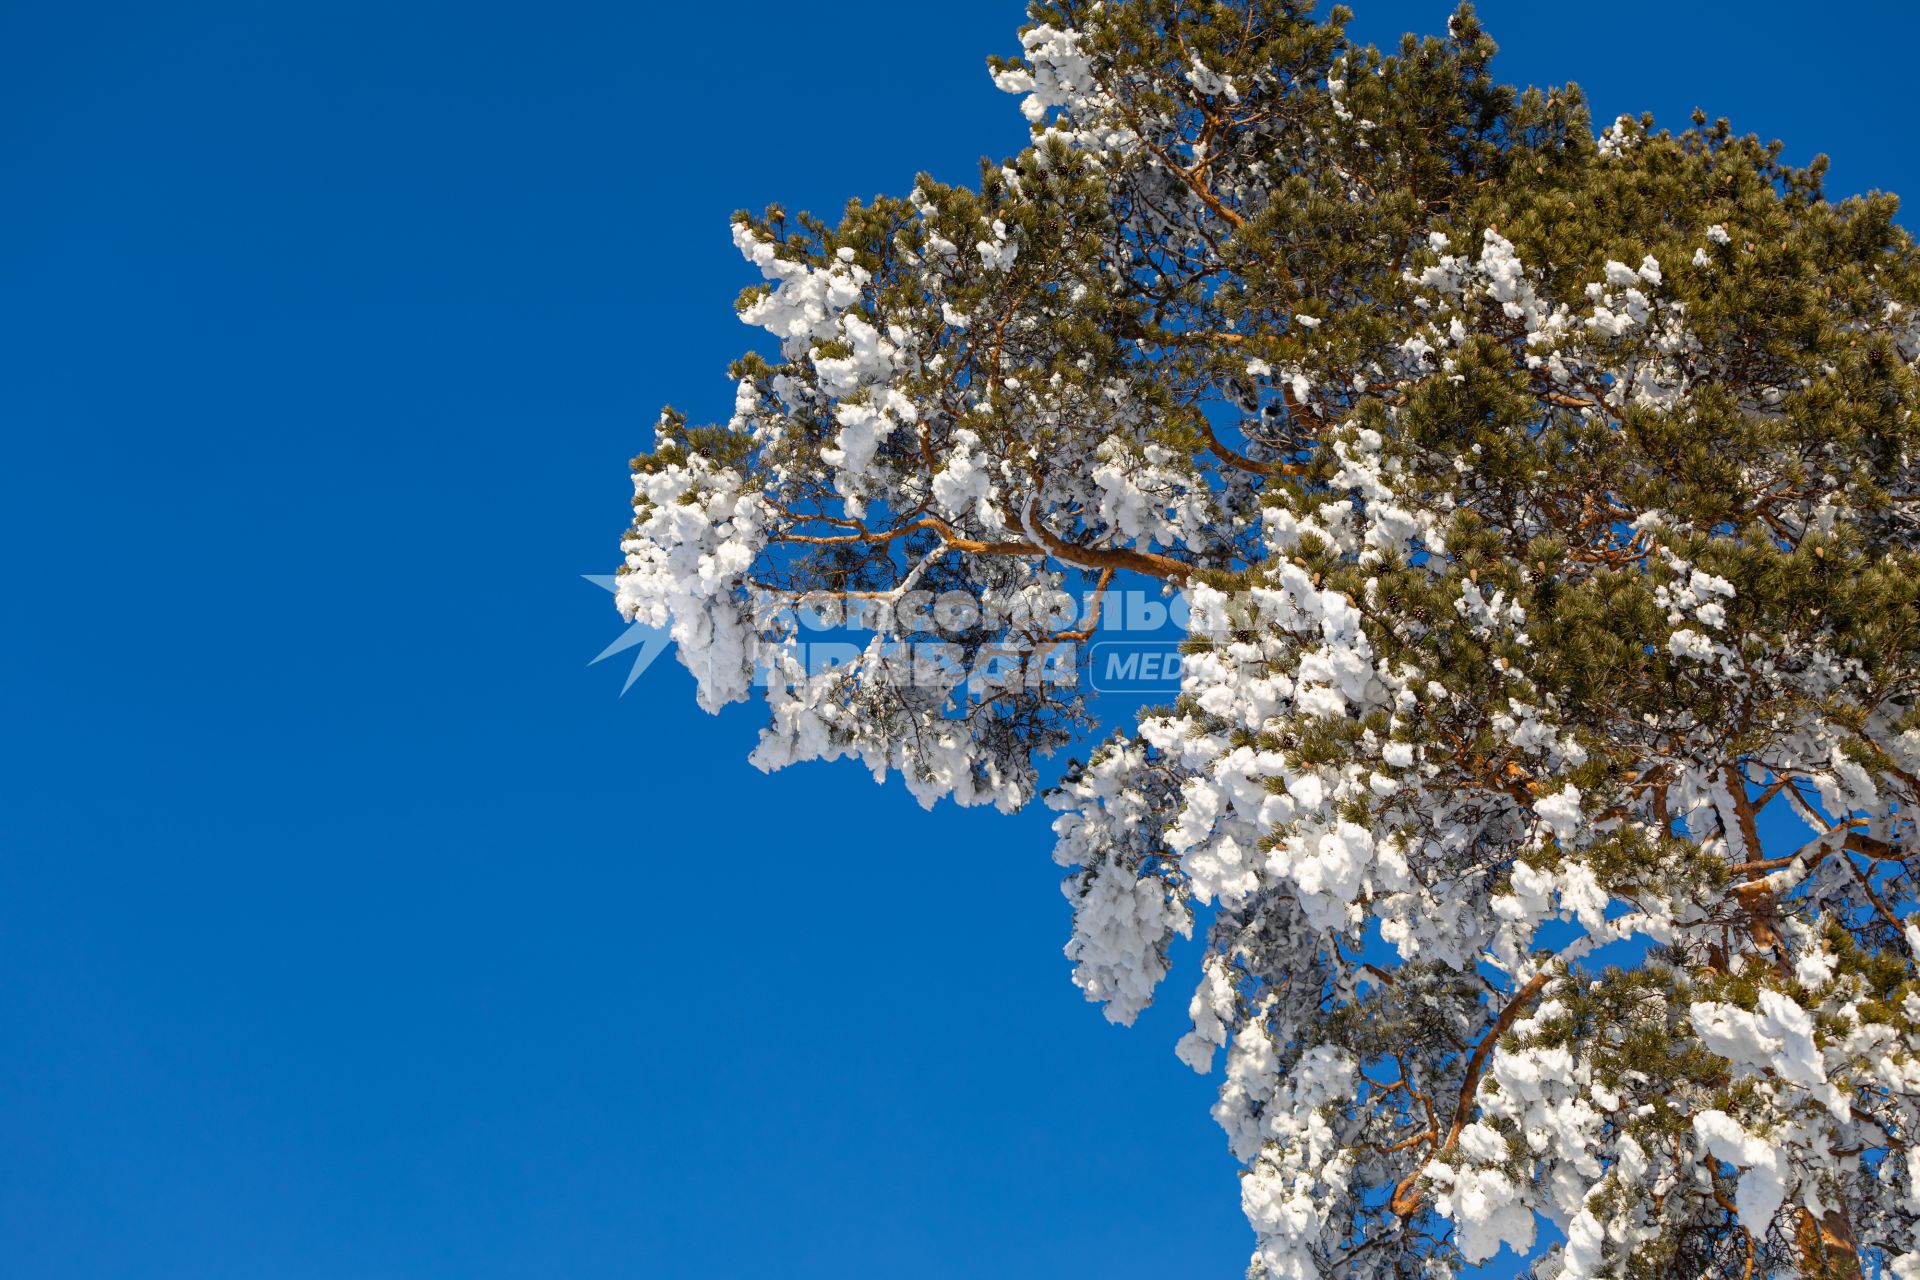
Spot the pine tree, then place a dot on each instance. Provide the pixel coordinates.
(1548, 512)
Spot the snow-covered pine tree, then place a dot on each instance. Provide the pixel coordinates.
(1549, 512)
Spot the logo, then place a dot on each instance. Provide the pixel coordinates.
(919, 635)
(651, 641)
(1134, 666)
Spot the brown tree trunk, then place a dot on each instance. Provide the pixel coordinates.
(1827, 1244)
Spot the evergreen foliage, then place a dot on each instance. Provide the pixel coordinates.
(1548, 508)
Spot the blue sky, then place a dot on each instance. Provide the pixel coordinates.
(350, 924)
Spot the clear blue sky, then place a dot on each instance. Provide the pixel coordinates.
(350, 925)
